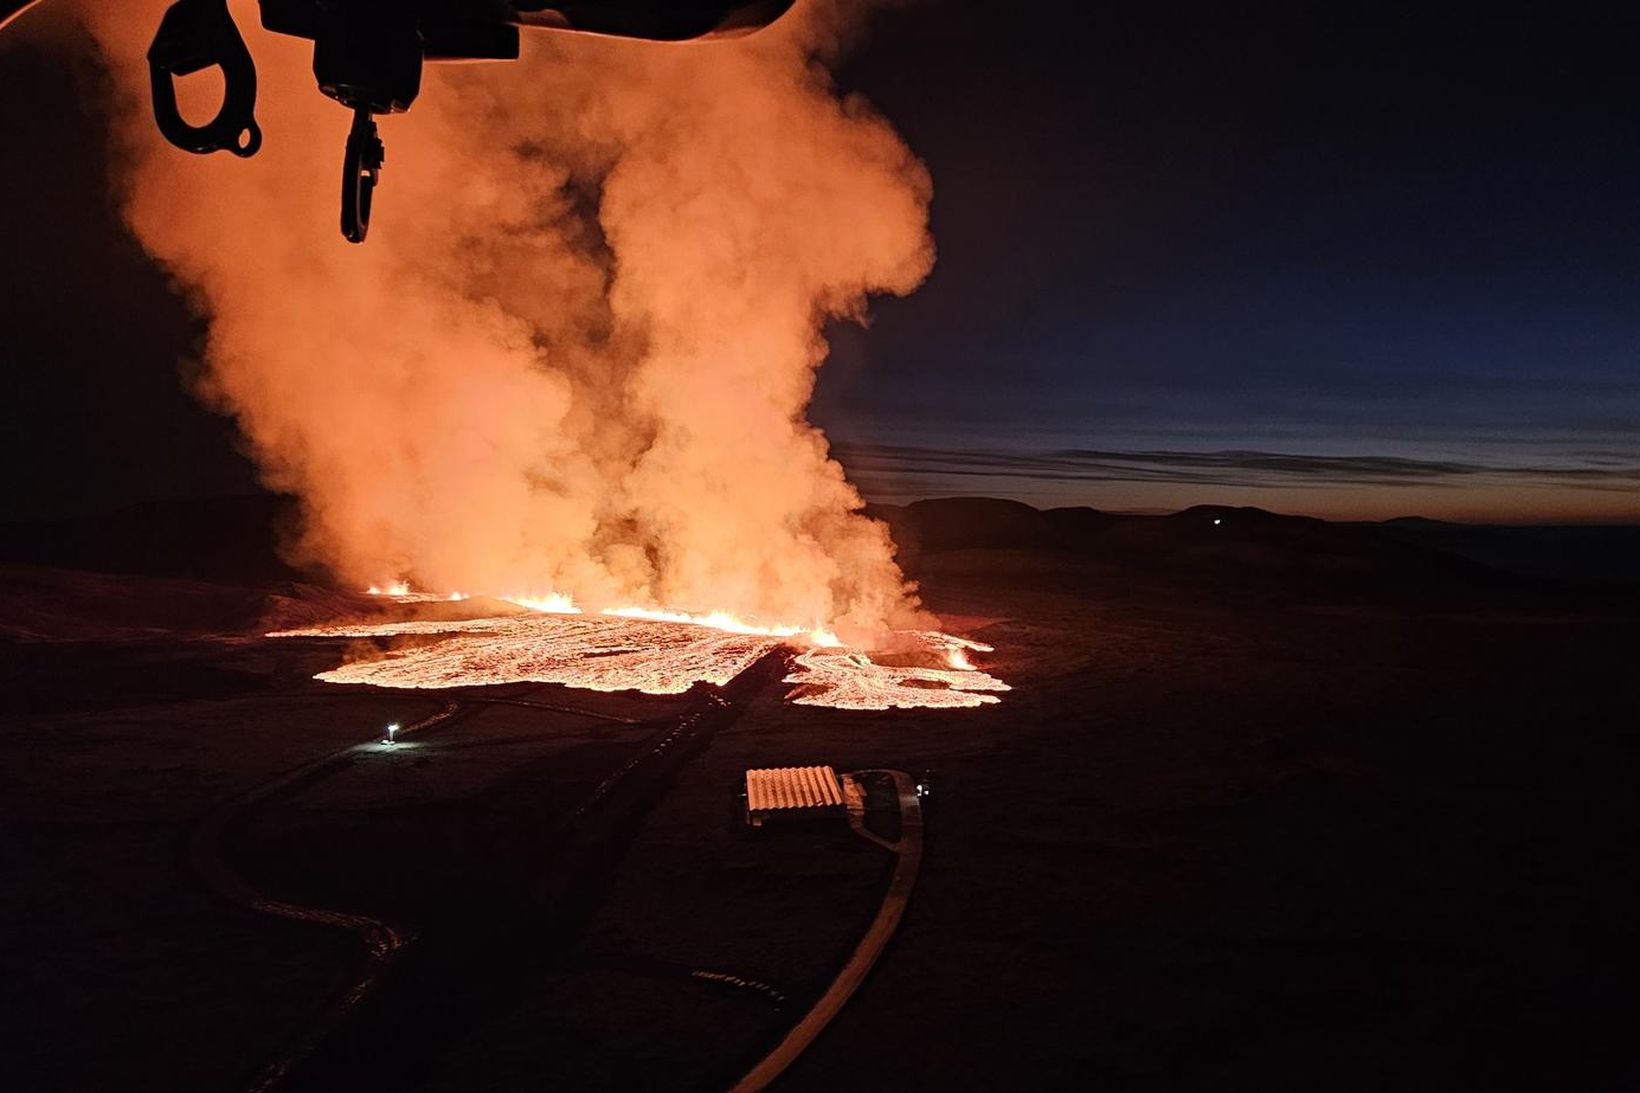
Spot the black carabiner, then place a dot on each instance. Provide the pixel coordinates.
(361, 170)
(196, 34)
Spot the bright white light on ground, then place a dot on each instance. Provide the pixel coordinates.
(392, 733)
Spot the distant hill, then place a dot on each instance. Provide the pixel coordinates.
(1609, 553)
(216, 539)
(37, 602)
(236, 539)
(1210, 537)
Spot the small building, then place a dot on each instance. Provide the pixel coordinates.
(793, 793)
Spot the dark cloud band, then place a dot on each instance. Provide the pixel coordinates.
(872, 464)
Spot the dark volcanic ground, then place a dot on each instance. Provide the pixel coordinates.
(1273, 804)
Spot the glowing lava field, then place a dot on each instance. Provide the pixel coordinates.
(617, 651)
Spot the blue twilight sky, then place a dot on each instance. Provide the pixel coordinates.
(1341, 259)
(1196, 238)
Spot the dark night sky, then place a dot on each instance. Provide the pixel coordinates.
(1331, 258)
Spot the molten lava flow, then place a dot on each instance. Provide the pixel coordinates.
(722, 620)
(657, 652)
(554, 603)
(584, 651)
(851, 680)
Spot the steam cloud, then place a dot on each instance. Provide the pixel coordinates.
(576, 353)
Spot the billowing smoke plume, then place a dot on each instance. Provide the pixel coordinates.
(576, 352)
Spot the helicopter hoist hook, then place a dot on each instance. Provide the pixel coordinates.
(368, 56)
(195, 35)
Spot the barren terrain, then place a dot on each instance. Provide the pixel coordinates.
(1284, 809)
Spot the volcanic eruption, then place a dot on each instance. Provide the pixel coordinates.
(572, 367)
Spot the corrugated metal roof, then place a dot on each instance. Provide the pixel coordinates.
(792, 787)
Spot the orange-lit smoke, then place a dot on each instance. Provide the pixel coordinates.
(574, 356)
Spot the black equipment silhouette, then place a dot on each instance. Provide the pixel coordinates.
(367, 55)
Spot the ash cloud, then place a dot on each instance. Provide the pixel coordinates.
(577, 351)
